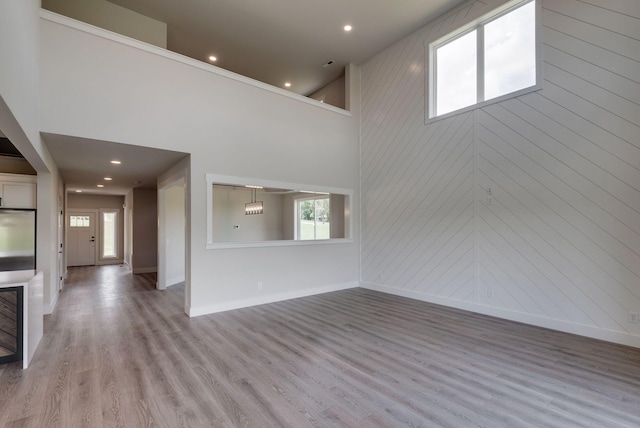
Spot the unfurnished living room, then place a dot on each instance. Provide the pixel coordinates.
(345, 213)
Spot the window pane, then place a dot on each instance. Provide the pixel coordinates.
(109, 234)
(510, 52)
(313, 219)
(456, 74)
(322, 219)
(306, 223)
(79, 221)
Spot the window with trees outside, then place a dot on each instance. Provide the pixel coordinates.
(495, 57)
(313, 218)
(109, 234)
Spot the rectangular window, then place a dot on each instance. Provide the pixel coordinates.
(109, 234)
(493, 58)
(313, 218)
(79, 221)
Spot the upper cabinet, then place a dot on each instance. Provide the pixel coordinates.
(17, 191)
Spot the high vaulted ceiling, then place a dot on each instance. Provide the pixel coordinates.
(278, 41)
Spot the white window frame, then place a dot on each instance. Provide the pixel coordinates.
(478, 24)
(297, 202)
(116, 243)
(238, 180)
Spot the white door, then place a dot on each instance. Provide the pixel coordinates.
(81, 248)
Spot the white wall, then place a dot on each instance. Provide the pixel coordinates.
(560, 244)
(113, 17)
(175, 237)
(174, 228)
(19, 121)
(231, 126)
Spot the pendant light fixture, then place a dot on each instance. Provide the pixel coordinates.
(253, 207)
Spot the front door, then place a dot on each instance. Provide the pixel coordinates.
(81, 248)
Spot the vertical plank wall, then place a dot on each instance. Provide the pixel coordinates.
(559, 245)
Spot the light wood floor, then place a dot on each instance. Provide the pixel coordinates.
(116, 352)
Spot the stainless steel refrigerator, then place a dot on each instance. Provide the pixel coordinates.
(17, 239)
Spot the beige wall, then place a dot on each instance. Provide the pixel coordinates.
(13, 165)
(98, 202)
(228, 210)
(112, 17)
(333, 93)
(144, 257)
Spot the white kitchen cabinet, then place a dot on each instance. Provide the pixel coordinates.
(17, 191)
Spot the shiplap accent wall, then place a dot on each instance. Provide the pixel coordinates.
(559, 245)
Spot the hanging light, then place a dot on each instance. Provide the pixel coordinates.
(253, 207)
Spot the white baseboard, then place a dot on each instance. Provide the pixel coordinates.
(48, 309)
(145, 270)
(535, 320)
(255, 301)
(175, 280)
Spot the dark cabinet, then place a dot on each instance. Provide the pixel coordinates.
(11, 335)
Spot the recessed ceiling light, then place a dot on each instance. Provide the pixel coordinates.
(108, 178)
(348, 28)
(287, 84)
(116, 162)
(212, 58)
(100, 185)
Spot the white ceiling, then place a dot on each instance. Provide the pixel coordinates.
(84, 164)
(275, 41)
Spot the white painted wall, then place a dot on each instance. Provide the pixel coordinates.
(231, 126)
(174, 230)
(560, 244)
(175, 237)
(19, 121)
(112, 17)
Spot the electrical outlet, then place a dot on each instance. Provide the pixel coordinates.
(259, 285)
(490, 293)
(634, 317)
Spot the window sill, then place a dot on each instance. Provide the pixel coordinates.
(519, 93)
(282, 243)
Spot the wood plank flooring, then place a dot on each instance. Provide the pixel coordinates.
(118, 353)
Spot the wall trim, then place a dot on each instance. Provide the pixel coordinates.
(175, 280)
(272, 298)
(558, 325)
